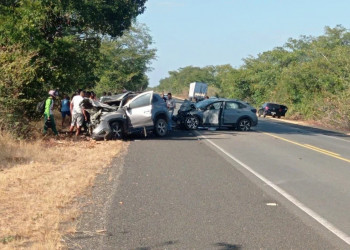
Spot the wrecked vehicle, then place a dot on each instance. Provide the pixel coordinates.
(217, 112)
(119, 115)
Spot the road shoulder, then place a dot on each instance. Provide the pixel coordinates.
(91, 225)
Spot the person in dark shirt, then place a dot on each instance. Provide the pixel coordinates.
(65, 109)
(164, 97)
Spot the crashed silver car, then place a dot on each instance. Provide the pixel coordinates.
(218, 113)
(117, 116)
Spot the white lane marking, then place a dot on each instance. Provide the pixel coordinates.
(272, 204)
(340, 234)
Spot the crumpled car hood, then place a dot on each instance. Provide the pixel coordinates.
(186, 106)
(92, 105)
(96, 110)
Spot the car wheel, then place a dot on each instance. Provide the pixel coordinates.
(244, 124)
(161, 127)
(191, 122)
(117, 130)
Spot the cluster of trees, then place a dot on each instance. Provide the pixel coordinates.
(124, 61)
(67, 45)
(311, 75)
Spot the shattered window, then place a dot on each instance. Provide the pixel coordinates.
(231, 105)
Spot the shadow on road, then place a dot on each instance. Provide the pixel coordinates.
(220, 245)
(226, 246)
(280, 127)
(183, 135)
(265, 125)
(162, 245)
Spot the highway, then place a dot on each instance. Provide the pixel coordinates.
(308, 167)
(279, 186)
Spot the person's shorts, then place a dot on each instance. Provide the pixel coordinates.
(77, 119)
(65, 113)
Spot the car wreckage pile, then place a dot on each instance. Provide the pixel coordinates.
(114, 117)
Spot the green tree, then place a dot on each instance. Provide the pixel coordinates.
(125, 61)
(311, 75)
(63, 38)
(178, 81)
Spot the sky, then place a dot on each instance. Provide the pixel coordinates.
(216, 32)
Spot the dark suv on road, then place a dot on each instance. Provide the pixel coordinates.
(272, 109)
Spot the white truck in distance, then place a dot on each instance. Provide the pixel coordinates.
(198, 90)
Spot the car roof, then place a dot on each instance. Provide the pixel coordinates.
(114, 98)
(213, 100)
(225, 100)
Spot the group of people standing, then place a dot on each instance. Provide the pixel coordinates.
(78, 117)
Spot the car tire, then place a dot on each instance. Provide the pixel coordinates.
(161, 127)
(244, 124)
(191, 122)
(117, 130)
(279, 117)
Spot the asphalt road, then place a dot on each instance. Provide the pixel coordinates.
(279, 186)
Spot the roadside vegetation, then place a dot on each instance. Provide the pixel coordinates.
(311, 75)
(40, 182)
(97, 45)
(64, 46)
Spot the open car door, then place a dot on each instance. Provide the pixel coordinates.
(139, 110)
(211, 116)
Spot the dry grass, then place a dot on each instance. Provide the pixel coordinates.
(39, 182)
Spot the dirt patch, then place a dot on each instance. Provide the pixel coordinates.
(39, 183)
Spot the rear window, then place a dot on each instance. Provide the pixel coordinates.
(273, 105)
(231, 105)
(235, 105)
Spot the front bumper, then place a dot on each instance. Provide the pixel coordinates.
(101, 132)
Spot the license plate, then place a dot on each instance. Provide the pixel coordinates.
(273, 113)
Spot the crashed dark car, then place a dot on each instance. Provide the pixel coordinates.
(217, 112)
(272, 109)
(117, 116)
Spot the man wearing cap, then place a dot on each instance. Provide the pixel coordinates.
(48, 114)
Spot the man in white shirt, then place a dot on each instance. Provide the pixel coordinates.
(171, 105)
(78, 113)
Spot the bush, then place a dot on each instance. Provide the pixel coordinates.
(17, 70)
